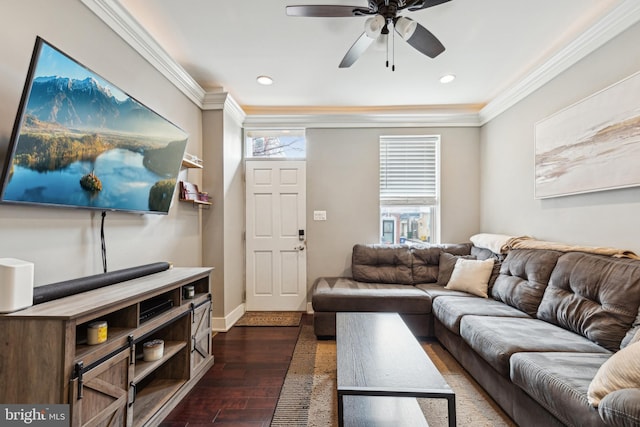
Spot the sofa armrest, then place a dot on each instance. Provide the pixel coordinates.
(621, 408)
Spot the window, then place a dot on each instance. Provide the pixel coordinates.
(275, 144)
(409, 189)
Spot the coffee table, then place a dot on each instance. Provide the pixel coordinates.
(381, 370)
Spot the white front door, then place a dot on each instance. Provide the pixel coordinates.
(276, 225)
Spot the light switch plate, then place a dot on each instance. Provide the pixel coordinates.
(319, 215)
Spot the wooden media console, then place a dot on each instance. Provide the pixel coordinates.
(45, 358)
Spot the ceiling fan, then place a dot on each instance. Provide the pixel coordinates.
(382, 15)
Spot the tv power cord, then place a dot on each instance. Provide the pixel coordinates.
(103, 244)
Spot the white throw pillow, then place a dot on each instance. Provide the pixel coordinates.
(622, 370)
(471, 276)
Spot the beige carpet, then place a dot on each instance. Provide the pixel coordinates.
(270, 318)
(313, 368)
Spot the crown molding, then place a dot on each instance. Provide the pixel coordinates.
(364, 120)
(121, 21)
(224, 101)
(614, 23)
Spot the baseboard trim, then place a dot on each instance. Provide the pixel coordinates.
(309, 308)
(223, 324)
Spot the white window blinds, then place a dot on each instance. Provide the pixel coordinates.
(409, 170)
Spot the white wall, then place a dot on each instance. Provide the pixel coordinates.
(606, 218)
(342, 179)
(65, 243)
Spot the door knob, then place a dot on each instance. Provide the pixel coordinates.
(299, 247)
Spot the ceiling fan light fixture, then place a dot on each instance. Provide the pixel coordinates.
(264, 80)
(406, 27)
(382, 18)
(373, 26)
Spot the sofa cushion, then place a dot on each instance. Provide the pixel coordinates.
(426, 260)
(593, 295)
(434, 291)
(633, 334)
(382, 264)
(524, 275)
(622, 370)
(559, 382)
(484, 253)
(495, 339)
(343, 294)
(621, 408)
(446, 266)
(449, 310)
(470, 275)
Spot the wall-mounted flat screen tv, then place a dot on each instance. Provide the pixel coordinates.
(79, 141)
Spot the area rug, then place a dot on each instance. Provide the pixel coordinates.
(308, 396)
(270, 318)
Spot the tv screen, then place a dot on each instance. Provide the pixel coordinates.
(79, 141)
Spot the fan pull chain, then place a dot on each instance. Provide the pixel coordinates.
(393, 51)
(387, 63)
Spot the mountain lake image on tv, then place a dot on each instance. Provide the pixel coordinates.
(79, 141)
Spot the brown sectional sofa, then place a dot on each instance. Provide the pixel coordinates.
(385, 278)
(551, 320)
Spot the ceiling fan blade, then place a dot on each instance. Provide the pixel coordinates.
(423, 4)
(356, 50)
(327, 11)
(425, 42)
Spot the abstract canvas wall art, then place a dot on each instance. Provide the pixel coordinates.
(593, 145)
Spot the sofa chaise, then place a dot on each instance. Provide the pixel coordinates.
(551, 336)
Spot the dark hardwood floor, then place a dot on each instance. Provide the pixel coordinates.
(242, 387)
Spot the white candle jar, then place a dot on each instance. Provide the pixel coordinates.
(152, 350)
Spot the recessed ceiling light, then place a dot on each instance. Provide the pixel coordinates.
(264, 80)
(447, 78)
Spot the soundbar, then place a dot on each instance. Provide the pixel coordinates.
(75, 286)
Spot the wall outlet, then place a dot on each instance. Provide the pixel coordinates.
(319, 215)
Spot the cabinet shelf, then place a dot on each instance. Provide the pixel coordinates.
(116, 338)
(153, 397)
(143, 368)
(198, 298)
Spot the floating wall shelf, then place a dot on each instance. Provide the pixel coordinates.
(191, 161)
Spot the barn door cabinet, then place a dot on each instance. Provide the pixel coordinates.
(45, 357)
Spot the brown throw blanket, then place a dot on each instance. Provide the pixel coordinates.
(529, 243)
